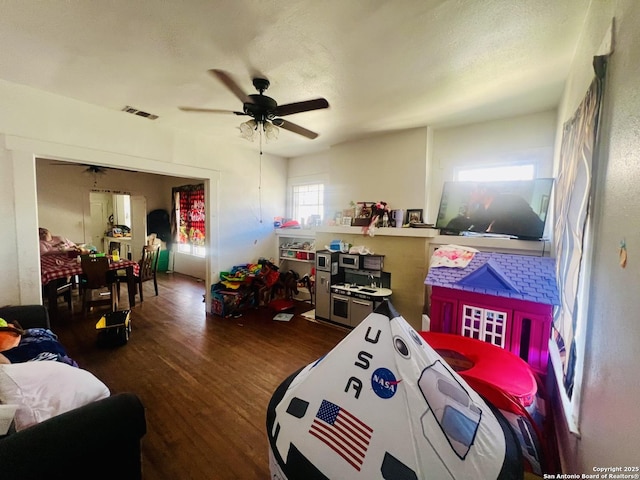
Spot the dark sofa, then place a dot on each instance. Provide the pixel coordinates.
(100, 440)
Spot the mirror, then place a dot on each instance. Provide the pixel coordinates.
(122, 210)
(107, 210)
(117, 217)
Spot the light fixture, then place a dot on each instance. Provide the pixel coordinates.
(271, 131)
(249, 128)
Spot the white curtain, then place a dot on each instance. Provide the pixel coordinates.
(572, 198)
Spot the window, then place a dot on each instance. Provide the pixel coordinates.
(190, 215)
(497, 173)
(484, 324)
(308, 203)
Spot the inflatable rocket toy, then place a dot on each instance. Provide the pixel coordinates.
(384, 405)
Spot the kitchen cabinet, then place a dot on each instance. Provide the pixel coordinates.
(359, 309)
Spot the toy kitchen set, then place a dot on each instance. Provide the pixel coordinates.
(349, 286)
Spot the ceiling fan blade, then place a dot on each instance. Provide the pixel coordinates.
(86, 166)
(209, 110)
(299, 107)
(292, 127)
(231, 84)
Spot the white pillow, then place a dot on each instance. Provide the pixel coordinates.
(47, 388)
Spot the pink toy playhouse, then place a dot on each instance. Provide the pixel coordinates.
(503, 299)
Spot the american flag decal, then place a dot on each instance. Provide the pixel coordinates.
(344, 433)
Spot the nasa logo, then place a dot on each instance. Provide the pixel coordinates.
(384, 383)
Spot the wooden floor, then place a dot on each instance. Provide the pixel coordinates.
(205, 381)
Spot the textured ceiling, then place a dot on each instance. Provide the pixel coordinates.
(382, 65)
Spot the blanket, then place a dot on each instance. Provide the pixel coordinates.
(38, 344)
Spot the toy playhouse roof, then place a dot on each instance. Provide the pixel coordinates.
(521, 277)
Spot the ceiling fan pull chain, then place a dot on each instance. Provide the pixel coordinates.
(260, 179)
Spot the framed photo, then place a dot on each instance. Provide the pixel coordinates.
(363, 209)
(346, 221)
(363, 214)
(414, 215)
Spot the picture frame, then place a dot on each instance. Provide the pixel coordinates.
(349, 212)
(414, 215)
(346, 221)
(363, 214)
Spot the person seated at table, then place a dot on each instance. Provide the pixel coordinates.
(50, 244)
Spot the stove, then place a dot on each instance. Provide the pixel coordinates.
(356, 291)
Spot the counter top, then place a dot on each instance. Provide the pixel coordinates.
(379, 232)
(373, 291)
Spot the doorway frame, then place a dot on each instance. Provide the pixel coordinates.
(25, 151)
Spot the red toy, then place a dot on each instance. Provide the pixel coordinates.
(504, 380)
(486, 366)
(282, 305)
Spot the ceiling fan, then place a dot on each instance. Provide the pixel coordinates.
(263, 110)
(95, 169)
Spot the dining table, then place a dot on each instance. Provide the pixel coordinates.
(56, 266)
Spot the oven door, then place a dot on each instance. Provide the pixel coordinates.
(340, 308)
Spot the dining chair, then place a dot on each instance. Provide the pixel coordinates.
(149, 267)
(96, 280)
(64, 288)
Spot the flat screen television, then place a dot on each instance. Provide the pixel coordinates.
(514, 208)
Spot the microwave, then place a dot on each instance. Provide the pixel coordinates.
(361, 262)
(347, 260)
(326, 261)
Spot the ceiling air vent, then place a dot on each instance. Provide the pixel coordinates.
(140, 113)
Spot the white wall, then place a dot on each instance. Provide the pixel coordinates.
(402, 169)
(36, 124)
(609, 423)
(390, 167)
(187, 265)
(524, 139)
(63, 194)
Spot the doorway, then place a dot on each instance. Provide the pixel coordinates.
(77, 204)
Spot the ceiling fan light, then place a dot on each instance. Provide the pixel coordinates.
(271, 131)
(248, 129)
